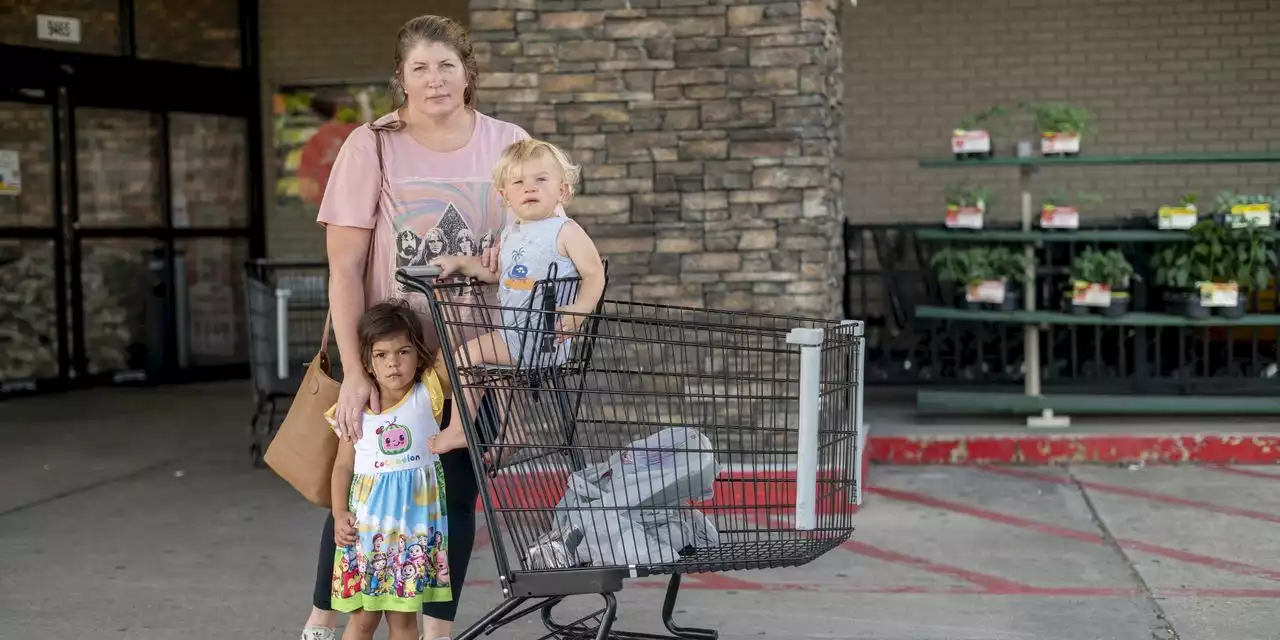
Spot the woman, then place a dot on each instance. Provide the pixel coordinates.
(430, 193)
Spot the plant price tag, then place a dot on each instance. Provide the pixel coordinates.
(1219, 294)
(1052, 217)
(964, 217)
(1090, 294)
(1059, 143)
(1175, 218)
(991, 291)
(970, 142)
(1244, 215)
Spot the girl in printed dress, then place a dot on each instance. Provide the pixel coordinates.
(386, 484)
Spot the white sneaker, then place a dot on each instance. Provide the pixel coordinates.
(318, 633)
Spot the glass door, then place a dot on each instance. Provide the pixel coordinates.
(160, 238)
(33, 345)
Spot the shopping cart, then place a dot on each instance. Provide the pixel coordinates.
(661, 440)
(286, 303)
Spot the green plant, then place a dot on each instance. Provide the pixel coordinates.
(1189, 199)
(1255, 257)
(979, 120)
(964, 195)
(967, 195)
(974, 264)
(1109, 267)
(1082, 199)
(1055, 117)
(1244, 255)
(1228, 199)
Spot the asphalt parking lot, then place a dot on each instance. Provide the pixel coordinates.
(135, 515)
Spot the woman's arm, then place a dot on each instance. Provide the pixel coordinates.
(348, 249)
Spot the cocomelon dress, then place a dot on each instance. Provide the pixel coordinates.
(398, 498)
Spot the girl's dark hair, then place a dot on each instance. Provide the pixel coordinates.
(446, 31)
(387, 320)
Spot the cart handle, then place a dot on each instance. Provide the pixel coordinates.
(412, 277)
(422, 271)
(810, 341)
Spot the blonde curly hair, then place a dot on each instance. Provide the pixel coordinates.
(521, 151)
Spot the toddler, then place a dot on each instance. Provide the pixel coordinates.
(533, 178)
(388, 488)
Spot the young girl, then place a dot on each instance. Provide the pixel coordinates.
(533, 178)
(389, 489)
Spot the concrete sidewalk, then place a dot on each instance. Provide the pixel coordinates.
(136, 515)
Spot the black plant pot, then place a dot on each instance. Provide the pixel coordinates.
(1236, 311)
(1185, 303)
(1119, 306)
(961, 303)
(1012, 299)
(1072, 307)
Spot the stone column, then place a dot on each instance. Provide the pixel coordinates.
(709, 137)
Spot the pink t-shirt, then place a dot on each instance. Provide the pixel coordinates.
(437, 203)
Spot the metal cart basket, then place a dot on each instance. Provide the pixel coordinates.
(647, 440)
(286, 303)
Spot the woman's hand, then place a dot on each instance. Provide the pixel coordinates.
(357, 392)
(344, 528)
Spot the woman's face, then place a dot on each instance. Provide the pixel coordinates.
(434, 79)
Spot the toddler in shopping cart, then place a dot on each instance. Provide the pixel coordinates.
(390, 523)
(533, 177)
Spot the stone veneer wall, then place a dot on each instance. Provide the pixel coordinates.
(708, 135)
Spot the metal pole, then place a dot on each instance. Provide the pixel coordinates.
(282, 333)
(810, 341)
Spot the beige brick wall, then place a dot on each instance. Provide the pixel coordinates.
(1160, 76)
(302, 42)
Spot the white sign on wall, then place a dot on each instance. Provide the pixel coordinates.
(10, 173)
(58, 28)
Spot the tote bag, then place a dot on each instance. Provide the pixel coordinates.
(303, 449)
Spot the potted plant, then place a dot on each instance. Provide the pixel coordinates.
(1062, 211)
(982, 276)
(1100, 280)
(1242, 210)
(1060, 127)
(972, 135)
(966, 206)
(1179, 218)
(1251, 266)
(1211, 270)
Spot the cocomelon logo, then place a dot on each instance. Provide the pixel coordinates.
(393, 438)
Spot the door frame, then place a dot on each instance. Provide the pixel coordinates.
(72, 80)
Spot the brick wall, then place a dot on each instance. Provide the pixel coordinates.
(341, 42)
(1193, 75)
(710, 172)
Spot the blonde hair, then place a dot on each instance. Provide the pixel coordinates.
(521, 151)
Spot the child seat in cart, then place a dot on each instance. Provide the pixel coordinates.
(658, 440)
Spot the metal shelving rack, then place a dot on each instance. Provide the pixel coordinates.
(1033, 399)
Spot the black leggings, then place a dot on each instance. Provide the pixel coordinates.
(461, 493)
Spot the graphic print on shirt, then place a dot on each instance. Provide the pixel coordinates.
(393, 438)
(450, 235)
(518, 275)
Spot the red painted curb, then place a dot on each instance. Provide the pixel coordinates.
(1225, 448)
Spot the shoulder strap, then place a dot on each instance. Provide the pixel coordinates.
(368, 259)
